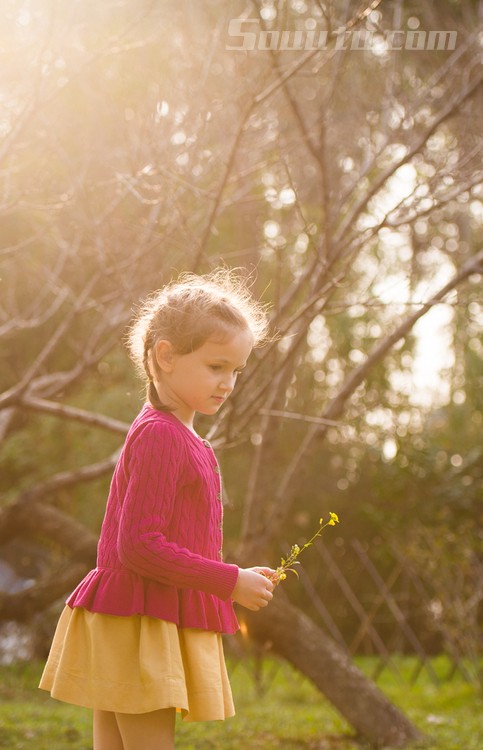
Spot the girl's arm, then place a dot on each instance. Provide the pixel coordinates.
(154, 465)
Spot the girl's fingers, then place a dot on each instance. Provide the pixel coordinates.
(267, 572)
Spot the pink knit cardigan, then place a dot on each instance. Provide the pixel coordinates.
(159, 552)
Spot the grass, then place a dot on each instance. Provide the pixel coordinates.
(289, 715)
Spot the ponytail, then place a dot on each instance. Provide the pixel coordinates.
(153, 398)
(151, 392)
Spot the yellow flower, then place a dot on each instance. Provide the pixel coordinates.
(289, 563)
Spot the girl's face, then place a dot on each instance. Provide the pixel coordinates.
(201, 380)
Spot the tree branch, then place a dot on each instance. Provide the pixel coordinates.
(72, 412)
(304, 59)
(352, 216)
(278, 508)
(64, 479)
(10, 396)
(221, 188)
(22, 605)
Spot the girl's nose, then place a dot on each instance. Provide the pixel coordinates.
(228, 383)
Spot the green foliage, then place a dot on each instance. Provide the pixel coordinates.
(291, 715)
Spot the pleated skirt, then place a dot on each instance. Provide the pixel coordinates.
(137, 664)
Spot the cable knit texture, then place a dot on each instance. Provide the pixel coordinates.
(159, 552)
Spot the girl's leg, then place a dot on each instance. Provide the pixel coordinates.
(151, 731)
(106, 731)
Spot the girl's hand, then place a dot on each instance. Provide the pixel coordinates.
(253, 588)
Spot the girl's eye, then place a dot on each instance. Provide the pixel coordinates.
(217, 368)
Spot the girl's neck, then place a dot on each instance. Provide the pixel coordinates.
(189, 425)
(180, 411)
(186, 421)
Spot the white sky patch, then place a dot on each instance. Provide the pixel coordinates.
(389, 449)
(271, 229)
(393, 289)
(162, 108)
(319, 339)
(433, 354)
(425, 384)
(399, 186)
(287, 196)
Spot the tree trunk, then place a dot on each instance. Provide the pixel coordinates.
(297, 639)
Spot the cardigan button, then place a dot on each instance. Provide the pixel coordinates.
(218, 496)
(220, 525)
(217, 469)
(220, 554)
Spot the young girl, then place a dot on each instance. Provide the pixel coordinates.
(141, 635)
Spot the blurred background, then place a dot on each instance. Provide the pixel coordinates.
(333, 152)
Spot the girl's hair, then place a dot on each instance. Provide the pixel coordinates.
(189, 311)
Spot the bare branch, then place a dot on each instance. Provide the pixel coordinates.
(67, 479)
(282, 497)
(73, 413)
(300, 417)
(22, 605)
(10, 396)
(304, 59)
(38, 520)
(29, 322)
(221, 188)
(447, 111)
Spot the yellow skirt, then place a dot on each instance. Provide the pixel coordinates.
(137, 664)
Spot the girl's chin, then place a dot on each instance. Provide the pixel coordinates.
(211, 408)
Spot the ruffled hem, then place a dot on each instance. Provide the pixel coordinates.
(121, 592)
(137, 665)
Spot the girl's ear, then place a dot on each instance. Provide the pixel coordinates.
(164, 355)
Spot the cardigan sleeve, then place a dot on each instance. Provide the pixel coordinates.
(154, 467)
